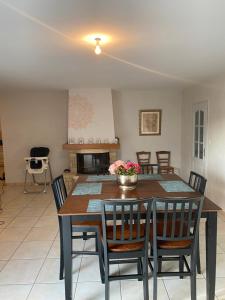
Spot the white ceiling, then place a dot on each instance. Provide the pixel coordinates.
(182, 39)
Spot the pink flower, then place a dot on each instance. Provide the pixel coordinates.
(122, 168)
(113, 167)
(129, 165)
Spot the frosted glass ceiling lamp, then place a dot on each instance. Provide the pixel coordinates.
(98, 49)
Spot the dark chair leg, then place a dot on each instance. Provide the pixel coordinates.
(160, 264)
(139, 268)
(61, 270)
(155, 271)
(181, 266)
(96, 243)
(193, 277)
(100, 257)
(198, 258)
(107, 281)
(145, 278)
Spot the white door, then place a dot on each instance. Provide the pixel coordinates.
(200, 118)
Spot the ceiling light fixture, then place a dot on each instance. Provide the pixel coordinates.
(98, 49)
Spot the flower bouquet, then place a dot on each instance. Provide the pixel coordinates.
(127, 173)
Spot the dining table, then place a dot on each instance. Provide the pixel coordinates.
(91, 189)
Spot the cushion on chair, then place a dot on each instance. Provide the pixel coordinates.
(125, 247)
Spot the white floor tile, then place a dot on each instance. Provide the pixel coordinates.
(31, 212)
(14, 292)
(10, 212)
(50, 271)
(180, 289)
(23, 222)
(20, 271)
(5, 221)
(7, 249)
(48, 292)
(14, 234)
(219, 249)
(220, 288)
(55, 249)
(89, 270)
(47, 221)
(42, 234)
(32, 250)
(221, 215)
(96, 291)
(50, 211)
(133, 290)
(220, 265)
(2, 264)
(221, 241)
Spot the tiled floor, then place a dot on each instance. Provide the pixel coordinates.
(29, 258)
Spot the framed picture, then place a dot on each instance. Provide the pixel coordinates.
(150, 122)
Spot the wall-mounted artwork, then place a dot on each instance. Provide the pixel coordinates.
(150, 122)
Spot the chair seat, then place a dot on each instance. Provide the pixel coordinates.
(180, 244)
(125, 247)
(174, 244)
(87, 223)
(166, 170)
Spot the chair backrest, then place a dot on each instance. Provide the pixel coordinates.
(163, 158)
(143, 157)
(127, 215)
(59, 191)
(179, 219)
(38, 152)
(197, 182)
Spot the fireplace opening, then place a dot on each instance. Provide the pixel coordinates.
(93, 163)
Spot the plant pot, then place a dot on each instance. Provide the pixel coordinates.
(127, 182)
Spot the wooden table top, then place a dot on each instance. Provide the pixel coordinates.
(77, 205)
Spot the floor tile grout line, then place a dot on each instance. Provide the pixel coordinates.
(167, 292)
(39, 271)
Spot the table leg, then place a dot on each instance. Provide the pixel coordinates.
(211, 238)
(67, 253)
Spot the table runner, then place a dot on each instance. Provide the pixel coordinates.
(87, 189)
(150, 177)
(175, 186)
(101, 178)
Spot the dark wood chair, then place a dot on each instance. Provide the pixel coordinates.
(174, 236)
(125, 239)
(84, 227)
(198, 183)
(144, 158)
(163, 159)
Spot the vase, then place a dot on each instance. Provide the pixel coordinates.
(127, 182)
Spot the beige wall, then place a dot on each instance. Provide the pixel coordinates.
(33, 118)
(214, 93)
(126, 117)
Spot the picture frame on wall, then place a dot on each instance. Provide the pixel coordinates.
(150, 122)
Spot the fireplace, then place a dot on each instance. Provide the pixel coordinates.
(93, 163)
(111, 150)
